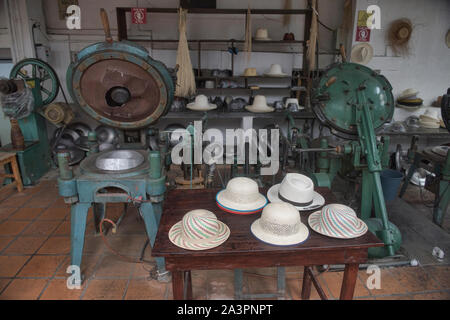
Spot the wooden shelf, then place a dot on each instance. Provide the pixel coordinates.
(223, 114)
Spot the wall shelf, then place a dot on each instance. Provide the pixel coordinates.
(219, 114)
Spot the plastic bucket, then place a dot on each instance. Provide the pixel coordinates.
(390, 182)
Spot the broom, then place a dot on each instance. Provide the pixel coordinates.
(185, 74)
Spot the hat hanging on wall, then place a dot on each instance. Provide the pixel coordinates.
(199, 230)
(241, 196)
(298, 190)
(399, 34)
(362, 53)
(280, 225)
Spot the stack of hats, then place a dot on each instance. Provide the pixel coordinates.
(241, 196)
(430, 119)
(199, 230)
(409, 100)
(298, 190)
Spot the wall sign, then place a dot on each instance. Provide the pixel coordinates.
(362, 34)
(138, 15)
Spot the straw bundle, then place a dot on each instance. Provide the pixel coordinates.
(311, 51)
(185, 75)
(287, 17)
(399, 34)
(248, 35)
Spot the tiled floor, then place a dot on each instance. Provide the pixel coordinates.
(34, 256)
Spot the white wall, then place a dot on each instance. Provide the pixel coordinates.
(427, 69)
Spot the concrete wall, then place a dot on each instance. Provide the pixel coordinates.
(427, 69)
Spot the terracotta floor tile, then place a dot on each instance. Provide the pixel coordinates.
(146, 290)
(63, 229)
(10, 265)
(395, 297)
(441, 274)
(112, 266)
(129, 245)
(4, 241)
(55, 214)
(4, 283)
(5, 212)
(441, 295)
(333, 282)
(41, 228)
(294, 290)
(56, 245)
(221, 285)
(39, 202)
(57, 290)
(24, 289)
(41, 266)
(25, 245)
(258, 284)
(88, 265)
(12, 228)
(142, 271)
(105, 290)
(93, 245)
(59, 203)
(389, 284)
(414, 279)
(16, 201)
(26, 214)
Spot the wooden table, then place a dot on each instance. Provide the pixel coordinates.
(243, 250)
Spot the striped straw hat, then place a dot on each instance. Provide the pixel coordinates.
(199, 230)
(337, 221)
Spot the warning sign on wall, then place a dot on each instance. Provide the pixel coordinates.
(362, 34)
(138, 15)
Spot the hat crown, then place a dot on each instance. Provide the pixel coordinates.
(275, 68)
(281, 219)
(261, 33)
(337, 217)
(200, 225)
(291, 100)
(242, 190)
(201, 100)
(297, 188)
(259, 101)
(250, 72)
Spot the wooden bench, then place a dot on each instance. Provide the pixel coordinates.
(10, 158)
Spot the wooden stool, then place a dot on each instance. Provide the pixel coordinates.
(10, 158)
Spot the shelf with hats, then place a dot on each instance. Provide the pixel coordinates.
(219, 114)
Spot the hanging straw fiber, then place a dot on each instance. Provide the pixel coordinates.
(185, 75)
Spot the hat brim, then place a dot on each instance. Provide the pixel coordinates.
(399, 105)
(314, 223)
(176, 237)
(299, 237)
(264, 109)
(242, 208)
(318, 200)
(192, 106)
(276, 74)
(262, 39)
(238, 212)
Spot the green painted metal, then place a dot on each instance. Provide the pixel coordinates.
(65, 172)
(154, 157)
(126, 51)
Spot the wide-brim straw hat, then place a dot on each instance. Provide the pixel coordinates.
(298, 190)
(262, 35)
(362, 53)
(201, 103)
(250, 72)
(199, 230)
(259, 105)
(241, 196)
(275, 71)
(280, 224)
(337, 221)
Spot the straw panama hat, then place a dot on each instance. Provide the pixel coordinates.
(262, 34)
(362, 53)
(201, 104)
(250, 72)
(199, 230)
(280, 225)
(298, 190)
(259, 105)
(408, 94)
(337, 221)
(241, 196)
(275, 71)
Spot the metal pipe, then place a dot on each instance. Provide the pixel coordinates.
(65, 172)
(154, 157)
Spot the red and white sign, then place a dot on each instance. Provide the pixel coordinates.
(362, 34)
(138, 15)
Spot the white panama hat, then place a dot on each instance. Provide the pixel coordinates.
(293, 100)
(201, 104)
(262, 34)
(275, 71)
(259, 105)
(337, 221)
(362, 53)
(199, 230)
(241, 196)
(408, 94)
(298, 190)
(280, 224)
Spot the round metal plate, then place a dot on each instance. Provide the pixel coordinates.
(335, 99)
(119, 160)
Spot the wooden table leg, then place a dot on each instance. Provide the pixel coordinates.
(188, 279)
(306, 287)
(178, 285)
(349, 281)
